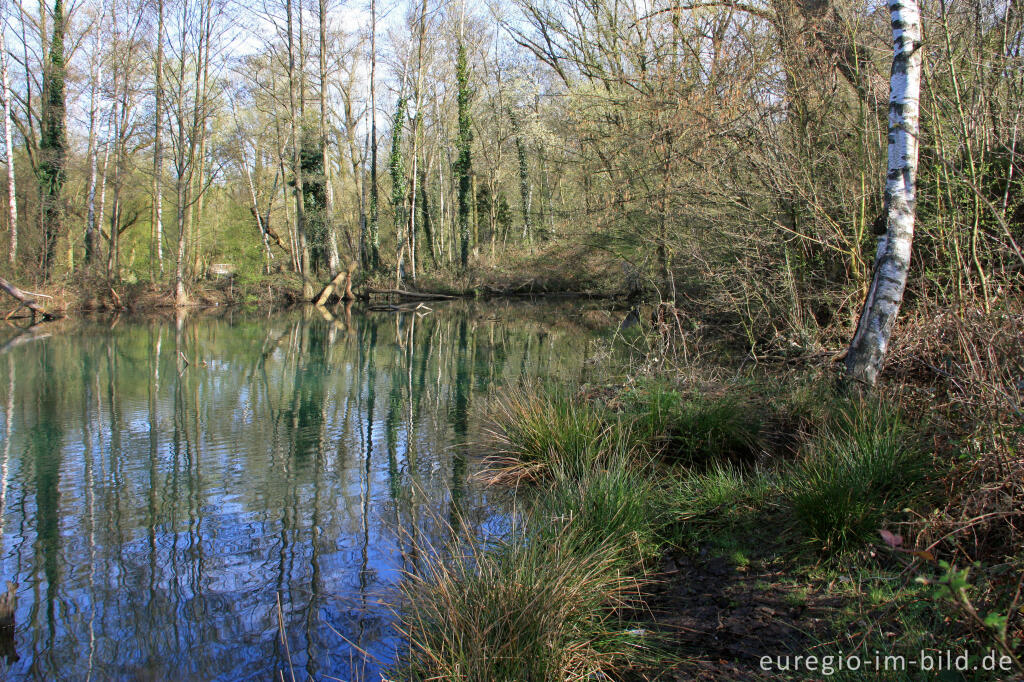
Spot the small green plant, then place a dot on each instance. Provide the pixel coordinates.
(954, 587)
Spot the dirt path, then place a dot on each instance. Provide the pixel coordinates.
(719, 617)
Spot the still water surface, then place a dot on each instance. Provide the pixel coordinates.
(166, 484)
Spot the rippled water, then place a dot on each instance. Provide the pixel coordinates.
(168, 483)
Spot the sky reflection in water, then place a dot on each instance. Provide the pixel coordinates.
(167, 481)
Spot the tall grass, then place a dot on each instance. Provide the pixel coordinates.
(695, 429)
(616, 501)
(858, 470)
(719, 490)
(535, 432)
(545, 603)
(524, 611)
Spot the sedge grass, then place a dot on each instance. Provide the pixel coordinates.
(857, 470)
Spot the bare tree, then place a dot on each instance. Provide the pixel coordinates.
(892, 262)
(12, 203)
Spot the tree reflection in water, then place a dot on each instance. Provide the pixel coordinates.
(166, 482)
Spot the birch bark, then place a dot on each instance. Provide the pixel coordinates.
(892, 260)
(12, 204)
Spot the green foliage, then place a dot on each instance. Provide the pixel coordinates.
(695, 429)
(857, 471)
(314, 200)
(53, 142)
(396, 165)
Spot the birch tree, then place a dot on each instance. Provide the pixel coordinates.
(12, 203)
(892, 261)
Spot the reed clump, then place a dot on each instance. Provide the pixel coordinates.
(547, 602)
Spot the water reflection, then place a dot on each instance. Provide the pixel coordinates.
(169, 484)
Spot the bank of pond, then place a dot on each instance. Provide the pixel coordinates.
(469, 490)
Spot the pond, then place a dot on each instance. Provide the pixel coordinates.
(177, 492)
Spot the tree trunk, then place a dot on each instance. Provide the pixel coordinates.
(867, 350)
(465, 163)
(398, 186)
(53, 143)
(333, 258)
(524, 175)
(156, 218)
(12, 203)
(374, 251)
(416, 123)
(300, 209)
(91, 230)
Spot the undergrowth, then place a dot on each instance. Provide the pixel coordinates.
(832, 485)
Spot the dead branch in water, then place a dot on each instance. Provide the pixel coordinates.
(25, 300)
(402, 293)
(340, 287)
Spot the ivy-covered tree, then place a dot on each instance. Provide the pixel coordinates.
(396, 165)
(53, 143)
(464, 165)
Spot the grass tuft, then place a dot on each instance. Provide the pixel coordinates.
(696, 429)
(856, 471)
(536, 433)
(542, 605)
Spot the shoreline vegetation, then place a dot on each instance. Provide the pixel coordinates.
(766, 188)
(685, 524)
(698, 505)
(546, 272)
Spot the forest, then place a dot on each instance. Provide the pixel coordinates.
(723, 153)
(770, 196)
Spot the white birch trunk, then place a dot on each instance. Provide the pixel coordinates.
(12, 203)
(892, 261)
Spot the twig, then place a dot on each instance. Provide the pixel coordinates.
(284, 640)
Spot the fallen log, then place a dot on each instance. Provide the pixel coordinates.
(416, 295)
(25, 301)
(340, 286)
(419, 308)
